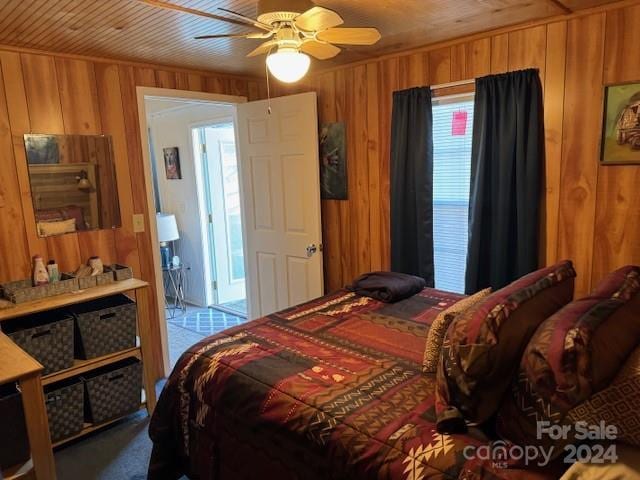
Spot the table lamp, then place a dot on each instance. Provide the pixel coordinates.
(167, 232)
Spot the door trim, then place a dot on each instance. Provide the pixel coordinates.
(143, 93)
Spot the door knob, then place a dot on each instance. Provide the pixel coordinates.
(311, 249)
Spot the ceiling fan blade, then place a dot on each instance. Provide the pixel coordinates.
(318, 18)
(350, 36)
(264, 48)
(228, 35)
(322, 51)
(178, 8)
(248, 20)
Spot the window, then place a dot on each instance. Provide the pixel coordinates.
(452, 130)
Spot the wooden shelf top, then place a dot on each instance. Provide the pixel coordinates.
(15, 363)
(83, 366)
(71, 298)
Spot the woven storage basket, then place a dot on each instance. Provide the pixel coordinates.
(121, 272)
(65, 408)
(47, 337)
(96, 280)
(22, 291)
(14, 443)
(104, 326)
(113, 391)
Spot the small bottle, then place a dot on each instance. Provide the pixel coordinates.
(53, 271)
(40, 275)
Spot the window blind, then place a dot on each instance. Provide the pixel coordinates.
(452, 135)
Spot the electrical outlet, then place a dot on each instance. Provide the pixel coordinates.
(138, 223)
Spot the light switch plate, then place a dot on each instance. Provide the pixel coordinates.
(138, 223)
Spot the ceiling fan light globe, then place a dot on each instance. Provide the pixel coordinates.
(288, 64)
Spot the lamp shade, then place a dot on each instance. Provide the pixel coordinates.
(167, 227)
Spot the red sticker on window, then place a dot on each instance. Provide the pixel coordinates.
(459, 123)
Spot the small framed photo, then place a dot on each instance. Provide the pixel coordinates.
(172, 163)
(620, 144)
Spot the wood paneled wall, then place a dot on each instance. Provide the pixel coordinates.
(591, 212)
(59, 94)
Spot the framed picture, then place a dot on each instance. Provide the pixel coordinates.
(172, 163)
(333, 162)
(620, 143)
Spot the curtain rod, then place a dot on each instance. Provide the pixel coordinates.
(452, 84)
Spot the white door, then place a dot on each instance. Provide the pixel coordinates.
(225, 220)
(281, 194)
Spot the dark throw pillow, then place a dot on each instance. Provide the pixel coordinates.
(483, 346)
(573, 354)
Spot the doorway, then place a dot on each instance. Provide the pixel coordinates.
(194, 183)
(278, 187)
(215, 147)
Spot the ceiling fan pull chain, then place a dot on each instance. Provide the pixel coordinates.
(266, 71)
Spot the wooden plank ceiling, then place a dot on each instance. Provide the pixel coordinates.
(129, 30)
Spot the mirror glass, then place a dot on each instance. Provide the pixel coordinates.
(73, 183)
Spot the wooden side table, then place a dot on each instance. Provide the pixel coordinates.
(18, 366)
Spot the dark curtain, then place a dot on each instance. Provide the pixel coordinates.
(507, 159)
(412, 183)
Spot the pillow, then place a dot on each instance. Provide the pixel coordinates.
(483, 346)
(574, 354)
(617, 404)
(49, 215)
(439, 327)
(75, 212)
(46, 229)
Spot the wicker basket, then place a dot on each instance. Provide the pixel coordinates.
(14, 443)
(65, 408)
(47, 337)
(121, 272)
(21, 291)
(104, 326)
(96, 280)
(113, 391)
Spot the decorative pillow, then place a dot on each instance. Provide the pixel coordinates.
(49, 215)
(439, 327)
(573, 354)
(46, 229)
(74, 211)
(483, 346)
(617, 404)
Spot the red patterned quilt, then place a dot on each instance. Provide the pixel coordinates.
(331, 389)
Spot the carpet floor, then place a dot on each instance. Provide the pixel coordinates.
(121, 451)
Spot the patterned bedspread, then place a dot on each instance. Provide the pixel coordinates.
(331, 389)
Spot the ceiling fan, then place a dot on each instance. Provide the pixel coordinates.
(293, 30)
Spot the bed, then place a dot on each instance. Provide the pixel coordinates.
(331, 389)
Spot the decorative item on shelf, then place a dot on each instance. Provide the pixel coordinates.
(40, 275)
(167, 232)
(97, 268)
(176, 261)
(94, 273)
(333, 162)
(620, 144)
(53, 271)
(172, 163)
